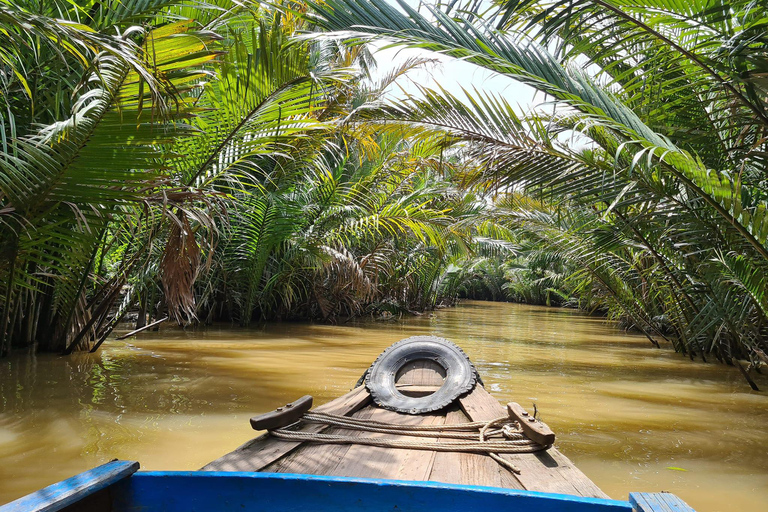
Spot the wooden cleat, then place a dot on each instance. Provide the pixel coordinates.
(534, 429)
(282, 416)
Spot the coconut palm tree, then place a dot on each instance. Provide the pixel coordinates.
(82, 154)
(120, 172)
(662, 201)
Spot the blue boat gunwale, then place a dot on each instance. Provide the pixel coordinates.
(197, 491)
(379, 482)
(75, 488)
(130, 490)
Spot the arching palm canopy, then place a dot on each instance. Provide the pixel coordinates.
(662, 201)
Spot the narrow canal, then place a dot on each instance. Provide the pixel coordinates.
(631, 417)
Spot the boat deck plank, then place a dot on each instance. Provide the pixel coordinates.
(316, 458)
(262, 451)
(373, 461)
(548, 471)
(418, 464)
(469, 468)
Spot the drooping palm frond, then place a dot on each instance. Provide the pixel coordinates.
(68, 180)
(706, 53)
(667, 169)
(46, 60)
(264, 97)
(599, 111)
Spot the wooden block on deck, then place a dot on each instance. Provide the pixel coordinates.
(262, 451)
(282, 416)
(533, 428)
(657, 502)
(546, 471)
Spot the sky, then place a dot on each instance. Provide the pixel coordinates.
(451, 74)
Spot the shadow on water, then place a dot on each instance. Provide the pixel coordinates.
(632, 417)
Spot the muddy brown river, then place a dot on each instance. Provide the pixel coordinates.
(633, 418)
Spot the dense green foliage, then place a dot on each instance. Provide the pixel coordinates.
(87, 120)
(660, 203)
(221, 164)
(199, 163)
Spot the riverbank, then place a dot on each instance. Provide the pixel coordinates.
(631, 417)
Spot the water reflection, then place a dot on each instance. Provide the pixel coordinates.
(624, 412)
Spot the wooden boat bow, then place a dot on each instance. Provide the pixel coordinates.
(277, 475)
(548, 471)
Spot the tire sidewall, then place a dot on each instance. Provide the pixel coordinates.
(460, 375)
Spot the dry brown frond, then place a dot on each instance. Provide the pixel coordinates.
(178, 270)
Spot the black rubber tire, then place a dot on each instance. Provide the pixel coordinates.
(362, 378)
(460, 374)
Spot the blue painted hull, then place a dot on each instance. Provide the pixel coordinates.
(117, 487)
(273, 492)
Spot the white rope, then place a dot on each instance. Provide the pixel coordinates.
(489, 440)
(412, 430)
(501, 446)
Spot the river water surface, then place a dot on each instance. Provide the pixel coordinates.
(631, 417)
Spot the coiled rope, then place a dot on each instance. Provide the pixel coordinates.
(500, 435)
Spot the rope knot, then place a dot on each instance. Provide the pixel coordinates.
(511, 431)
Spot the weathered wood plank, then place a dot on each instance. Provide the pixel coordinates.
(264, 450)
(657, 502)
(549, 471)
(421, 372)
(414, 390)
(69, 491)
(317, 458)
(417, 464)
(447, 467)
(469, 468)
(373, 461)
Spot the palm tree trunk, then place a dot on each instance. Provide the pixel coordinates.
(4, 337)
